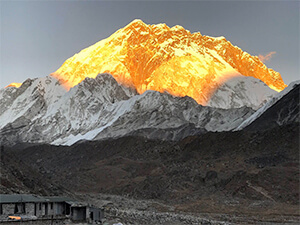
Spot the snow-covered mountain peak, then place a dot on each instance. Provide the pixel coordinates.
(104, 87)
(156, 57)
(241, 91)
(29, 100)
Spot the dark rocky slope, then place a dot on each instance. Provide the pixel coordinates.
(242, 172)
(285, 111)
(18, 177)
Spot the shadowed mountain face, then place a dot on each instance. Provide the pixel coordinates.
(283, 112)
(18, 177)
(282, 109)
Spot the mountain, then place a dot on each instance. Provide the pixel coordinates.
(42, 111)
(282, 109)
(157, 78)
(173, 60)
(29, 101)
(140, 131)
(241, 91)
(14, 85)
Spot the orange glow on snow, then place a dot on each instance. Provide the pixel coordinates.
(14, 85)
(173, 60)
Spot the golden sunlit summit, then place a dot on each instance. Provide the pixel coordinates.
(14, 85)
(173, 60)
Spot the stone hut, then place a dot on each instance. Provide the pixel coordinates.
(31, 207)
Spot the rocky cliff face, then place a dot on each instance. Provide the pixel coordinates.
(173, 60)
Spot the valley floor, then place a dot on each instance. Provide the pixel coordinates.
(124, 210)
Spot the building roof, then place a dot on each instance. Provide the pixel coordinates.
(18, 198)
(57, 199)
(15, 198)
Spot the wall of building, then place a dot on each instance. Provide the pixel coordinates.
(78, 213)
(59, 208)
(29, 208)
(57, 212)
(34, 209)
(98, 214)
(40, 209)
(8, 209)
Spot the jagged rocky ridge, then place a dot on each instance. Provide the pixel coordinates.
(42, 111)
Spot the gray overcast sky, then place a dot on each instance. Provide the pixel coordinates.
(38, 36)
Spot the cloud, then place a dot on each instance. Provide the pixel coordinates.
(266, 57)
